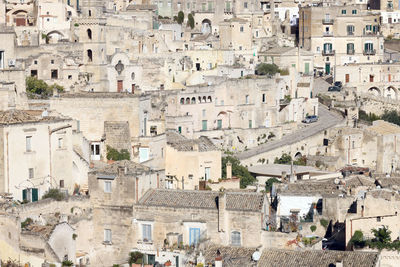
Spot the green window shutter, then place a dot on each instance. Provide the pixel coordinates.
(35, 194)
(24, 194)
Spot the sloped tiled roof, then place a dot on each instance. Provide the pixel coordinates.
(202, 199)
(231, 256)
(181, 143)
(15, 116)
(317, 258)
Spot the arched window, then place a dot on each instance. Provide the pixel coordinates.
(235, 238)
(133, 76)
(188, 100)
(90, 13)
(182, 101)
(193, 100)
(199, 99)
(209, 99)
(204, 99)
(90, 55)
(89, 34)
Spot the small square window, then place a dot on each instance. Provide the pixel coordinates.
(69, 77)
(52, 61)
(35, 62)
(107, 187)
(378, 219)
(354, 11)
(344, 12)
(31, 173)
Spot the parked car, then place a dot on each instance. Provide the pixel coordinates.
(338, 84)
(334, 89)
(310, 119)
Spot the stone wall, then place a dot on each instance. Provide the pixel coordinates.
(117, 135)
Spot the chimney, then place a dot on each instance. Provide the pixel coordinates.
(229, 170)
(218, 259)
(221, 210)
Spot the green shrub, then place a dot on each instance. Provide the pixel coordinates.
(357, 239)
(238, 170)
(114, 154)
(324, 223)
(267, 69)
(38, 87)
(190, 22)
(67, 263)
(135, 257)
(74, 236)
(284, 72)
(181, 17)
(76, 25)
(313, 228)
(55, 194)
(27, 222)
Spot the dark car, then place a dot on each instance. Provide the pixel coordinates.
(310, 119)
(334, 89)
(338, 84)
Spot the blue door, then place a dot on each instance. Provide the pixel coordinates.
(194, 236)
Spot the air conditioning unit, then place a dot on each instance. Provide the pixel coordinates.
(11, 62)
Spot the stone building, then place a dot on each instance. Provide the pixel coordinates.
(37, 154)
(166, 219)
(339, 35)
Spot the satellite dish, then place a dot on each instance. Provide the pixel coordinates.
(256, 256)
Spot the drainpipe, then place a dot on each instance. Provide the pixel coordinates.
(50, 173)
(8, 168)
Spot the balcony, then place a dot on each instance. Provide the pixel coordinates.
(328, 34)
(350, 33)
(228, 10)
(350, 52)
(369, 52)
(327, 21)
(328, 52)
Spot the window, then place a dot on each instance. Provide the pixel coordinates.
(250, 124)
(52, 61)
(354, 12)
(54, 74)
(369, 47)
(350, 48)
(368, 27)
(146, 232)
(350, 29)
(245, 4)
(61, 183)
(33, 73)
(107, 186)
(95, 151)
(203, 6)
(371, 78)
(89, 34)
(219, 124)
(107, 236)
(207, 173)
(263, 98)
(28, 143)
(343, 11)
(89, 55)
(210, 7)
(378, 219)
(31, 173)
(1, 59)
(194, 236)
(235, 238)
(204, 125)
(204, 112)
(327, 47)
(190, 176)
(247, 99)
(69, 77)
(347, 79)
(241, 29)
(60, 142)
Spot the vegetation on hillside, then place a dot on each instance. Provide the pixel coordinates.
(114, 154)
(238, 170)
(39, 88)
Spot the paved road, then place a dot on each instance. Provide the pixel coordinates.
(320, 86)
(326, 120)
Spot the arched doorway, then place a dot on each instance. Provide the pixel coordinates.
(206, 26)
(390, 92)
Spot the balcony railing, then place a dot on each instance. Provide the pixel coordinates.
(327, 21)
(369, 52)
(327, 34)
(328, 52)
(350, 33)
(228, 10)
(350, 51)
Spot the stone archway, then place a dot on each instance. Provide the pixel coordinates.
(374, 91)
(390, 92)
(206, 26)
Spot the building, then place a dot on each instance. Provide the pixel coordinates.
(37, 154)
(339, 35)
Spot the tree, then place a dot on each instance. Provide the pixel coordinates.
(313, 228)
(55, 194)
(391, 116)
(135, 257)
(238, 170)
(41, 88)
(269, 183)
(114, 154)
(190, 21)
(181, 17)
(284, 159)
(382, 235)
(357, 239)
(264, 69)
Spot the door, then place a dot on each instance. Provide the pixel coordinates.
(219, 124)
(390, 20)
(95, 151)
(204, 125)
(24, 194)
(347, 78)
(207, 173)
(119, 86)
(20, 22)
(306, 67)
(194, 236)
(35, 194)
(327, 68)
